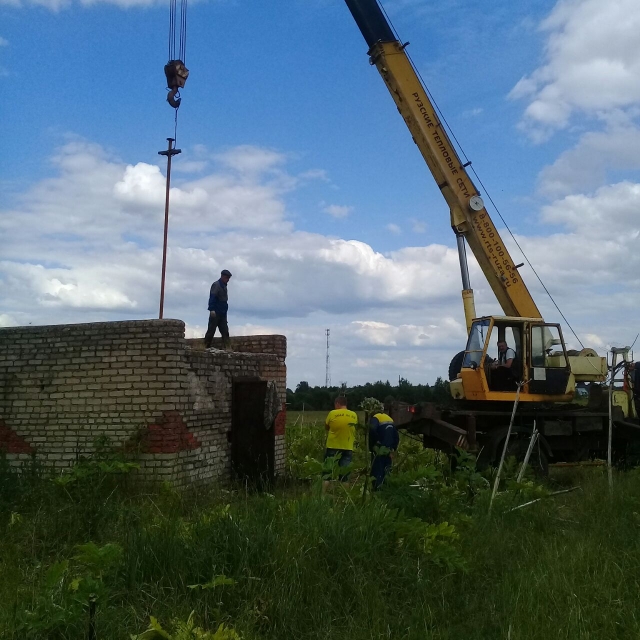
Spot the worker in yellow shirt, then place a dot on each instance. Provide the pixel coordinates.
(341, 427)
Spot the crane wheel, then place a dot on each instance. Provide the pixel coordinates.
(456, 366)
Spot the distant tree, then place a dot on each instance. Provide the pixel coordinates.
(441, 393)
(322, 398)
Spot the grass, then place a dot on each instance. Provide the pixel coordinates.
(420, 560)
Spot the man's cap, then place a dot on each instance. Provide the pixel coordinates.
(225, 272)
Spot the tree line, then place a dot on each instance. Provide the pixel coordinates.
(310, 398)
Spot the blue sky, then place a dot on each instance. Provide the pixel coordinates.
(293, 149)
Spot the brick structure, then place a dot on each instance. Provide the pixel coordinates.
(140, 383)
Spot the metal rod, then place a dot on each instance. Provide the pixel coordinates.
(170, 152)
(534, 436)
(614, 360)
(555, 493)
(506, 445)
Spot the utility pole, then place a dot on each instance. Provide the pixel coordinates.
(170, 152)
(327, 378)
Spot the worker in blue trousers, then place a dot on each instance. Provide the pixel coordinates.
(383, 443)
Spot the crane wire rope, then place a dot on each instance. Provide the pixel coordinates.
(468, 163)
(175, 127)
(181, 41)
(172, 30)
(183, 32)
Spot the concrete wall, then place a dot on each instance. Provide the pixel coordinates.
(139, 383)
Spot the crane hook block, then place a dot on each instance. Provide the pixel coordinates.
(177, 75)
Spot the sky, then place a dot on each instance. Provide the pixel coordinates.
(298, 175)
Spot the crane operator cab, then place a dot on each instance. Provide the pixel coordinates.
(504, 351)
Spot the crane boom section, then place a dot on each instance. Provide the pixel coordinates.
(458, 189)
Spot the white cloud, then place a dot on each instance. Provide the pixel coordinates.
(418, 226)
(592, 64)
(79, 288)
(595, 341)
(611, 214)
(394, 228)
(337, 210)
(85, 245)
(7, 321)
(585, 166)
(250, 159)
(314, 174)
(383, 334)
(190, 166)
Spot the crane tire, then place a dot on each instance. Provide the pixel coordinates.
(456, 366)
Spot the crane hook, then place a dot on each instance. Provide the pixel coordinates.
(173, 98)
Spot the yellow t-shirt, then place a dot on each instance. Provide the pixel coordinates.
(342, 429)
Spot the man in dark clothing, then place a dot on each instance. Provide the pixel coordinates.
(503, 370)
(383, 442)
(218, 307)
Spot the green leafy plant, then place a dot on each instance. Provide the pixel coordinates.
(371, 405)
(68, 588)
(185, 631)
(216, 581)
(93, 482)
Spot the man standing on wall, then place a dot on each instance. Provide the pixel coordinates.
(218, 307)
(383, 442)
(341, 427)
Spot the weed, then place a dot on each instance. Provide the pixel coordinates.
(418, 559)
(185, 631)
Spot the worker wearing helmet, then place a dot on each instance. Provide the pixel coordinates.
(383, 443)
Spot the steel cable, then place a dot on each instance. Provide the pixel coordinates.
(183, 31)
(172, 29)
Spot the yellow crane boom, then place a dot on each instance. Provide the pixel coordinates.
(469, 218)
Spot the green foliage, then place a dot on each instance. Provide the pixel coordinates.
(185, 631)
(371, 405)
(66, 589)
(421, 558)
(93, 483)
(104, 463)
(216, 581)
(304, 443)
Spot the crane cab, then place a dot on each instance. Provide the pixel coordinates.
(531, 351)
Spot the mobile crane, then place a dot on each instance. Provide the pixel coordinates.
(544, 373)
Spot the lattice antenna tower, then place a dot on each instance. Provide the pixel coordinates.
(327, 377)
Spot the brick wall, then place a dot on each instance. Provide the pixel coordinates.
(139, 383)
(274, 344)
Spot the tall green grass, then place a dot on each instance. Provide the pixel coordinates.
(420, 559)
